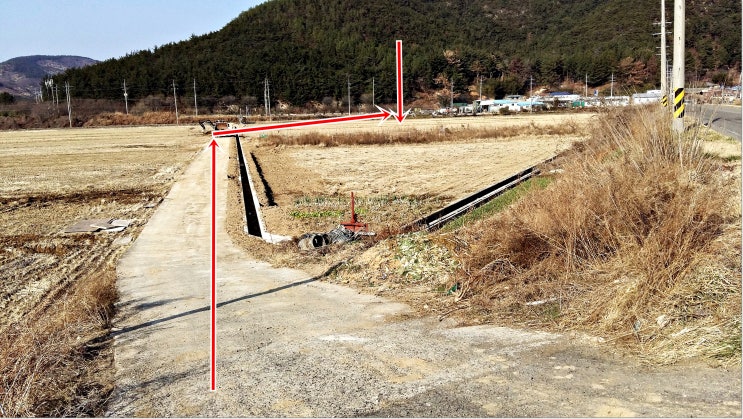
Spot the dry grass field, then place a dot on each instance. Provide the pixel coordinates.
(56, 289)
(397, 172)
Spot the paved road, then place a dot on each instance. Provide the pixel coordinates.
(289, 345)
(725, 119)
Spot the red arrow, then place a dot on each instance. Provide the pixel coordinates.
(382, 114)
(400, 116)
(213, 145)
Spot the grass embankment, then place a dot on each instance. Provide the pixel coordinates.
(638, 241)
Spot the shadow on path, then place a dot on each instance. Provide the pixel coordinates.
(155, 322)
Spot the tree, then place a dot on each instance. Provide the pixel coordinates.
(6, 98)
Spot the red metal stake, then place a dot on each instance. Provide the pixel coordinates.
(354, 225)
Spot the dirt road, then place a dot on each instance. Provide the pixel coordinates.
(289, 345)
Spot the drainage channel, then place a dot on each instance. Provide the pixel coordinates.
(438, 218)
(253, 224)
(253, 221)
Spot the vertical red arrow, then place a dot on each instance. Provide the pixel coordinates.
(400, 116)
(213, 145)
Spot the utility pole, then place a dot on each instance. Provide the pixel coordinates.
(267, 97)
(679, 37)
(48, 83)
(126, 99)
(374, 104)
(663, 57)
(480, 76)
(348, 80)
(195, 105)
(531, 94)
(69, 102)
(585, 96)
(175, 100)
(451, 102)
(611, 92)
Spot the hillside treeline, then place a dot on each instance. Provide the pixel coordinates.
(310, 51)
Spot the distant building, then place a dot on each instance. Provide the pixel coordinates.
(651, 96)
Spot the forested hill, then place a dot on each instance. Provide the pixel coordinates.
(309, 49)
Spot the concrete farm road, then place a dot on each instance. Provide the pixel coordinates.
(289, 345)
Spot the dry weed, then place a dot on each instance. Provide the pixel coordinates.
(620, 243)
(45, 363)
(464, 133)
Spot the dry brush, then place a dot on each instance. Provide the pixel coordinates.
(637, 241)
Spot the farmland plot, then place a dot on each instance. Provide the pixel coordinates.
(50, 179)
(398, 182)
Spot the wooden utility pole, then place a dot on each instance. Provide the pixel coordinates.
(679, 37)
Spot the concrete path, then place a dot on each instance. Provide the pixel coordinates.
(289, 345)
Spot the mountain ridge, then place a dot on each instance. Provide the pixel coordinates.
(309, 51)
(22, 76)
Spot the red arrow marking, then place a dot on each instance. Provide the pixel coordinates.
(382, 114)
(213, 145)
(400, 116)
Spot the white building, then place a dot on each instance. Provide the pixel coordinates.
(651, 96)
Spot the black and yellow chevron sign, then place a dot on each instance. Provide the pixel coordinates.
(664, 100)
(678, 103)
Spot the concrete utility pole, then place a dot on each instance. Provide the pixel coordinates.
(451, 102)
(267, 97)
(663, 57)
(126, 99)
(480, 76)
(679, 37)
(531, 94)
(195, 105)
(348, 80)
(69, 102)
(374, 104)
(175, 99)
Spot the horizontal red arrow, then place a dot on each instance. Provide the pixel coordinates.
(382, 114)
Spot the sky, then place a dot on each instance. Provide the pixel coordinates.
(103, 29)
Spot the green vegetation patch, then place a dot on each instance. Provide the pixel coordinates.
(423, 260)
(500, 202)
